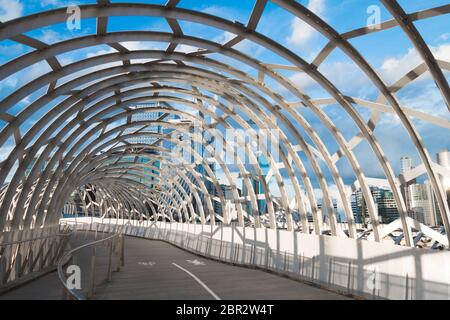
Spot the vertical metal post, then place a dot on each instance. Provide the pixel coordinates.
(196, 245)
(92, 278)
(122, 251)
(252, 254)
(299, 264)
(2, 270)
(270, 258)
(108, 277)
(407, 288)
(349, 279)
(116, 249)
(30, 260)
(18, 266)
(267, 257)
(330, 271)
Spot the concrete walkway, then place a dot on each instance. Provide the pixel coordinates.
(156, 270)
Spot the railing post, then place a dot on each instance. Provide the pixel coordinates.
(2, 270)
(117, 252)
(349, 279)
(122, 251)
(266, 257)
(300, 264)
(252, 254)
(18, 266)
(110, 260)
(30, 260)
(92, 278)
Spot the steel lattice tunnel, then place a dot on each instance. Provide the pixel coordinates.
(121, 122)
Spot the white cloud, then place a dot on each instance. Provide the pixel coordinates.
(10, 9)
(100, 52)
(445, 36)
(50, 36)
(345, 75)
(26, 75)
(425, 98)
(224, 37)
(348, 78)
(140, 45)
(303, 81)
(186, 48)
(57, 3)
(394, 68)
(301, 32)
(13, 50)
(46, 3)
(11, 81)
(245, 46)
(223, 12)
(442, 52)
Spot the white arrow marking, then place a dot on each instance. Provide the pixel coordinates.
(149, 264)
(196, 262)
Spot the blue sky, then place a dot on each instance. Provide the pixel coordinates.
(389, 52)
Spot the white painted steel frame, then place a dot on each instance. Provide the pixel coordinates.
(27, 202)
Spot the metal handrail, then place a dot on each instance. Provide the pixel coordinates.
(74, 293)
(4, 244)
(17, 257)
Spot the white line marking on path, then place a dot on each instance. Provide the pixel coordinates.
(215, 296)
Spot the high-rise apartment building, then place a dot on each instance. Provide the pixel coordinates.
(420, 198)
(384, 203)
(421, 205)
(443, 159)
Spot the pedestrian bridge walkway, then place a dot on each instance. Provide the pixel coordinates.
(158, 270)
(160, 260)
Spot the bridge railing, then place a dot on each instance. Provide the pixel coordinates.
(360, 268)
(106, 254)
(243, 254)
(264, 257)
(27, 254)
(255, 256)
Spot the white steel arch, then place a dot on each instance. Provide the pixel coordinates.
(72, 148)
